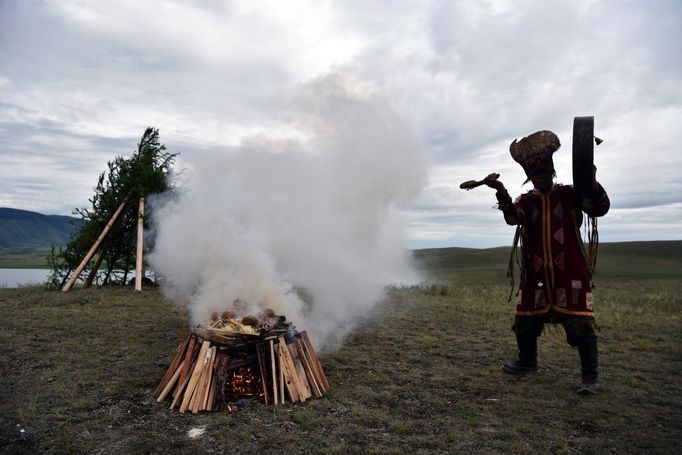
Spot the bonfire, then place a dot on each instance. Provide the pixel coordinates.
(232, 361)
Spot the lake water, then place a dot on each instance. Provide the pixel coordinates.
(12, 278)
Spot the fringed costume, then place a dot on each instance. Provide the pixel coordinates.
(556, 268)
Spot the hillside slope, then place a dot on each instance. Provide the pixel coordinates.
(25, 229)
(619, 261)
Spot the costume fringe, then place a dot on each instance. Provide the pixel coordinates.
(536, 325)
(529, 325)
(513, 258)
(592, 235)
(582, 325)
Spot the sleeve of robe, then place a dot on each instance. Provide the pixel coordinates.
(513, 213)
(598, 204)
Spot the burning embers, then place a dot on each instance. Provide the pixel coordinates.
(231, 360)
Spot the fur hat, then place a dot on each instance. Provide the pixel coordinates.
(542, 143)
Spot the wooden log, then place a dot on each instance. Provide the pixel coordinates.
(312, 380)
(196, 374)
(308, 345)
(223, 340)
(169, 386)
(194, 392)
(193, 402)
(263, 375)
(290, 372)
(273, 363)
(209, 381)
(303, 388)
(94, 247)
(238, 363)
(215, 384)
(311, 363)
(288, 375)
(139, 267)
(211, 394)
(300, 371)
(177, 395)
(221, 378)
(199, 397)
(282, 399)
(280, 381)
(173, 366)
(191, 351)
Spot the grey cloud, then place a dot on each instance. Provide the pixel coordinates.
(493, 76)
(111, 71)
(650, 196)
(470, 76)
(47, 168)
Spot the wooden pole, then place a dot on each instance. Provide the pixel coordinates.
(312, 380)
(190, 355)
(285, 374)
(314, 361)
(304, 391)
(273, 368)
(280, 364)
(194, 378)
(176, 398)
(139, 269)
(173, 366)
(171, 383)
(98, 262)
(263, 376)
(84, 262)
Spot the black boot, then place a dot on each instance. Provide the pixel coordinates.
(589, 361)
(528, 356)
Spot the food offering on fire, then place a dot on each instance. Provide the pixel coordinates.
(232, 359)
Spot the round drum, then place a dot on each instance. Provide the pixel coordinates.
(583, 156)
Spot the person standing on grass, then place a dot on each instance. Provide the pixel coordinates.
(556, 271)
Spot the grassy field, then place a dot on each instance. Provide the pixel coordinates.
(616, 261)
(420, 375)
(23, 258)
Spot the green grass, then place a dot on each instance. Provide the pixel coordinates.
(24, 258)
(616, 261)
(420, 375)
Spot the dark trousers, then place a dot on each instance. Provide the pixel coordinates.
(580, 333)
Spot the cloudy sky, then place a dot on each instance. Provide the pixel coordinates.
(80, 80)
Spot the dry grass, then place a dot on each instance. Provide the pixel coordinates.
(422, 375)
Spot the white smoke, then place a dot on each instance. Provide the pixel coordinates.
(307, 227)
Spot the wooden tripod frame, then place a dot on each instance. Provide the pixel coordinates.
(139, 263)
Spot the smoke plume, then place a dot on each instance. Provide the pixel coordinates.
(305, 226)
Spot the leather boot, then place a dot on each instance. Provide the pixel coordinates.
(528, 356)
(589, 361)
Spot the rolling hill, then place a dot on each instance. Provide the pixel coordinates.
(22, 229)
(661, 259)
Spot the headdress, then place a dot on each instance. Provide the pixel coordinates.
(542, 143)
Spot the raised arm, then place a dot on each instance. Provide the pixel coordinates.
(509, 210)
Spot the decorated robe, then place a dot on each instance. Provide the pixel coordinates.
(555, 272)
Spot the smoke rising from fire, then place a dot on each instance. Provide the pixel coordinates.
(306, 226)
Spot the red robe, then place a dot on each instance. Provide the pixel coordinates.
(555, 272)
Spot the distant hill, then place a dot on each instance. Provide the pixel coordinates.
(22, 229)
(616, 261)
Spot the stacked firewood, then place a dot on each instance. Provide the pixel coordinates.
(229, 360)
